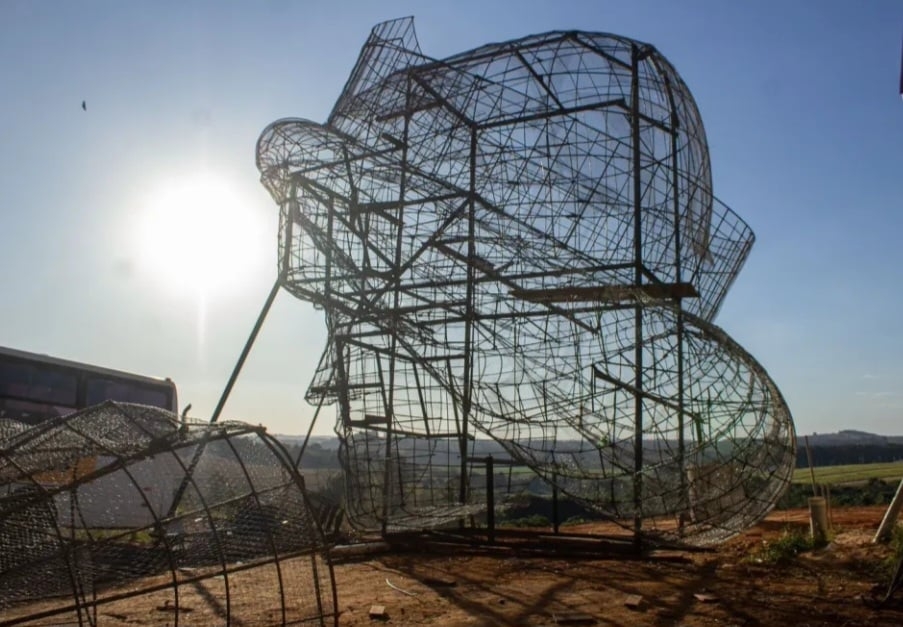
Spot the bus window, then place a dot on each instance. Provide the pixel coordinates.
(29, 412)
(30, 382)
(99, 390)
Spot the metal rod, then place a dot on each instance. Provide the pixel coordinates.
(310, 430)
(199, 452)
(678, 279)
(245, 351)
(638, 280)
(469, 320)
(490, 500)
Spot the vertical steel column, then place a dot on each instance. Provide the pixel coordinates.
(490, 500)
(396, 302)
(327, 294)
(285, 264)
(638, 280)
(468, 322)
(678, 278)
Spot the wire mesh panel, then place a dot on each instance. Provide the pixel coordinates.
(520, 244)
(120, 511)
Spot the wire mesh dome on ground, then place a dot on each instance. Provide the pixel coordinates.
(119, 511)
(519, 244)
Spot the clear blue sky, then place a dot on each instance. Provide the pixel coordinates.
(799, 99)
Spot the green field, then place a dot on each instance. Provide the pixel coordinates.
(854, 473)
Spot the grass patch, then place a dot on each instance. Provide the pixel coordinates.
(851, 473)
(535, 520)
(871, 492)
(577, 520)
(785, 548)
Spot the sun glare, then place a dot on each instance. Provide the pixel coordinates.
(196, 235)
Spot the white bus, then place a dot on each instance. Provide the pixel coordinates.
(36, 387)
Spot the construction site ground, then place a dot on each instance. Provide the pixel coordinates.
(731, 585)
(507, 585)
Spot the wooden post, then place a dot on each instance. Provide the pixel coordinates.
(818, 519)
(890, 516)
(809, 460)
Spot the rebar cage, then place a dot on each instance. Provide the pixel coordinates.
(121, 511)
(518, 251)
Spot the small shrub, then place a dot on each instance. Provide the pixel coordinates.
(785, 548)
(576, 520)
(536, 520)
(889, 563)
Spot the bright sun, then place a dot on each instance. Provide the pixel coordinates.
(196, 235)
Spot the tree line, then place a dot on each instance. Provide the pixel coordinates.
(844, 454)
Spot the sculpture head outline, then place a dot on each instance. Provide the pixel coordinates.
(518, 241)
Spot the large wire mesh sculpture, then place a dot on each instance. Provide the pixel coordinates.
(520, 244)
(120, 512)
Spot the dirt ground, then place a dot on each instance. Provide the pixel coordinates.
(728, 586)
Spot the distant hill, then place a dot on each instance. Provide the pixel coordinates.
(847, 437)
(848, 446)
(327, 442)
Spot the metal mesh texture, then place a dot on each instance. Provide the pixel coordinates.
(120, 511)
(520, 244)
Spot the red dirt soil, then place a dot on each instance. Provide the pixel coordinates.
(837, 585)
(727, 586)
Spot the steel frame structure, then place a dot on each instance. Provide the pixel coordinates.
(93, 523)
(518, 249)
